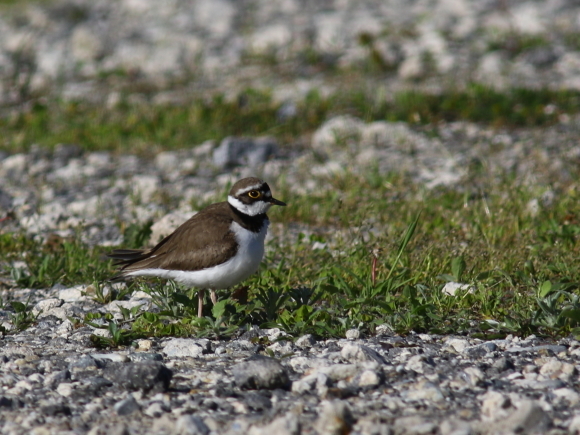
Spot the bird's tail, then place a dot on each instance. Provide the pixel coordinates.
(124, 258)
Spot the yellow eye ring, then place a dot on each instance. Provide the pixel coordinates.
(254, 194)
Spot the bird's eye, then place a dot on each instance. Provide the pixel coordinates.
(254, 194)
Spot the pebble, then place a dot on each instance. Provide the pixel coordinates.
(306, 341)
(260, 372)
(185, 347)
(357, 353)
(335, 418)
(191, 425)
(150, 376)
(126, 406)
(252, 152)
(352, 334)
(288, 424)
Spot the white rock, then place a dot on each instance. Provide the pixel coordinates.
(310, 382)
(352, 334)
(63, 312)
(14, 164)
(85, 207)
(144, 345)
(65, 389)
(458, 344)
(574, 425)
(455, 426)
(167, 224)
(425, 391)
(167, 161)
(491, 69)
(191, 425)
(567, 394)
(302, 363)
(384, 329)
(473, 375)
(338, 132)
(411, 68)
(140, 294)
(556, 369)
(451, 288)
(495, 405)
(185, 347)
(414, 424)
(305, 342)
(339, 372)
(36, 378)
(72, 294)
(528, 18)
(274, 333)
(85, 44)
(270, 37)
(359, 353)
(528, 417)
(281, 347)
(145, 186)
(46, 305)
(334, 418)
(155, 410)
(369, 378)
(569, 67)
(114, 357)
(65, 328)
(416, 364)
(215, 15)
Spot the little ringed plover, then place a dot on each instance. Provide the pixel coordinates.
(216, 248)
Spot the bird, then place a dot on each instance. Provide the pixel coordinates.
(217, 248)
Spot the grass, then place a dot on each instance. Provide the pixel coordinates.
(149, 128)
(385, 258)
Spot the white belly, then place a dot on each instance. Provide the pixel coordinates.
(235, 270)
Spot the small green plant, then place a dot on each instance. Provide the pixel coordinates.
(117, 335)
(104, 292)
(22, 317)
(136, 235)
(62, 261)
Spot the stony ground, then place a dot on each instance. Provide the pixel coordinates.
(54, 381)
(96, 50)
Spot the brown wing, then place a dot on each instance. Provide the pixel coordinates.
(205, 240)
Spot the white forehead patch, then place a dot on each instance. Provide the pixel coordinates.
(247, 189)
(258, 207)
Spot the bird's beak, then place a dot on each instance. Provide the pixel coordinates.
(274, 201)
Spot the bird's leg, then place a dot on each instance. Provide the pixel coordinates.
(213, 296)
(200, 294)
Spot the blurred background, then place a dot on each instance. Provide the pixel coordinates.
(358, 56)
(452, 121)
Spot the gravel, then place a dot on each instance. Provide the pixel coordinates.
(94, 50)
(383, 384)
(53, 381)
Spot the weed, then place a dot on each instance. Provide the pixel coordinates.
(67, 262)
(141, 128)
(103, 293)
(22, 317)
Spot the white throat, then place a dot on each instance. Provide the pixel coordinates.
(254, 209)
